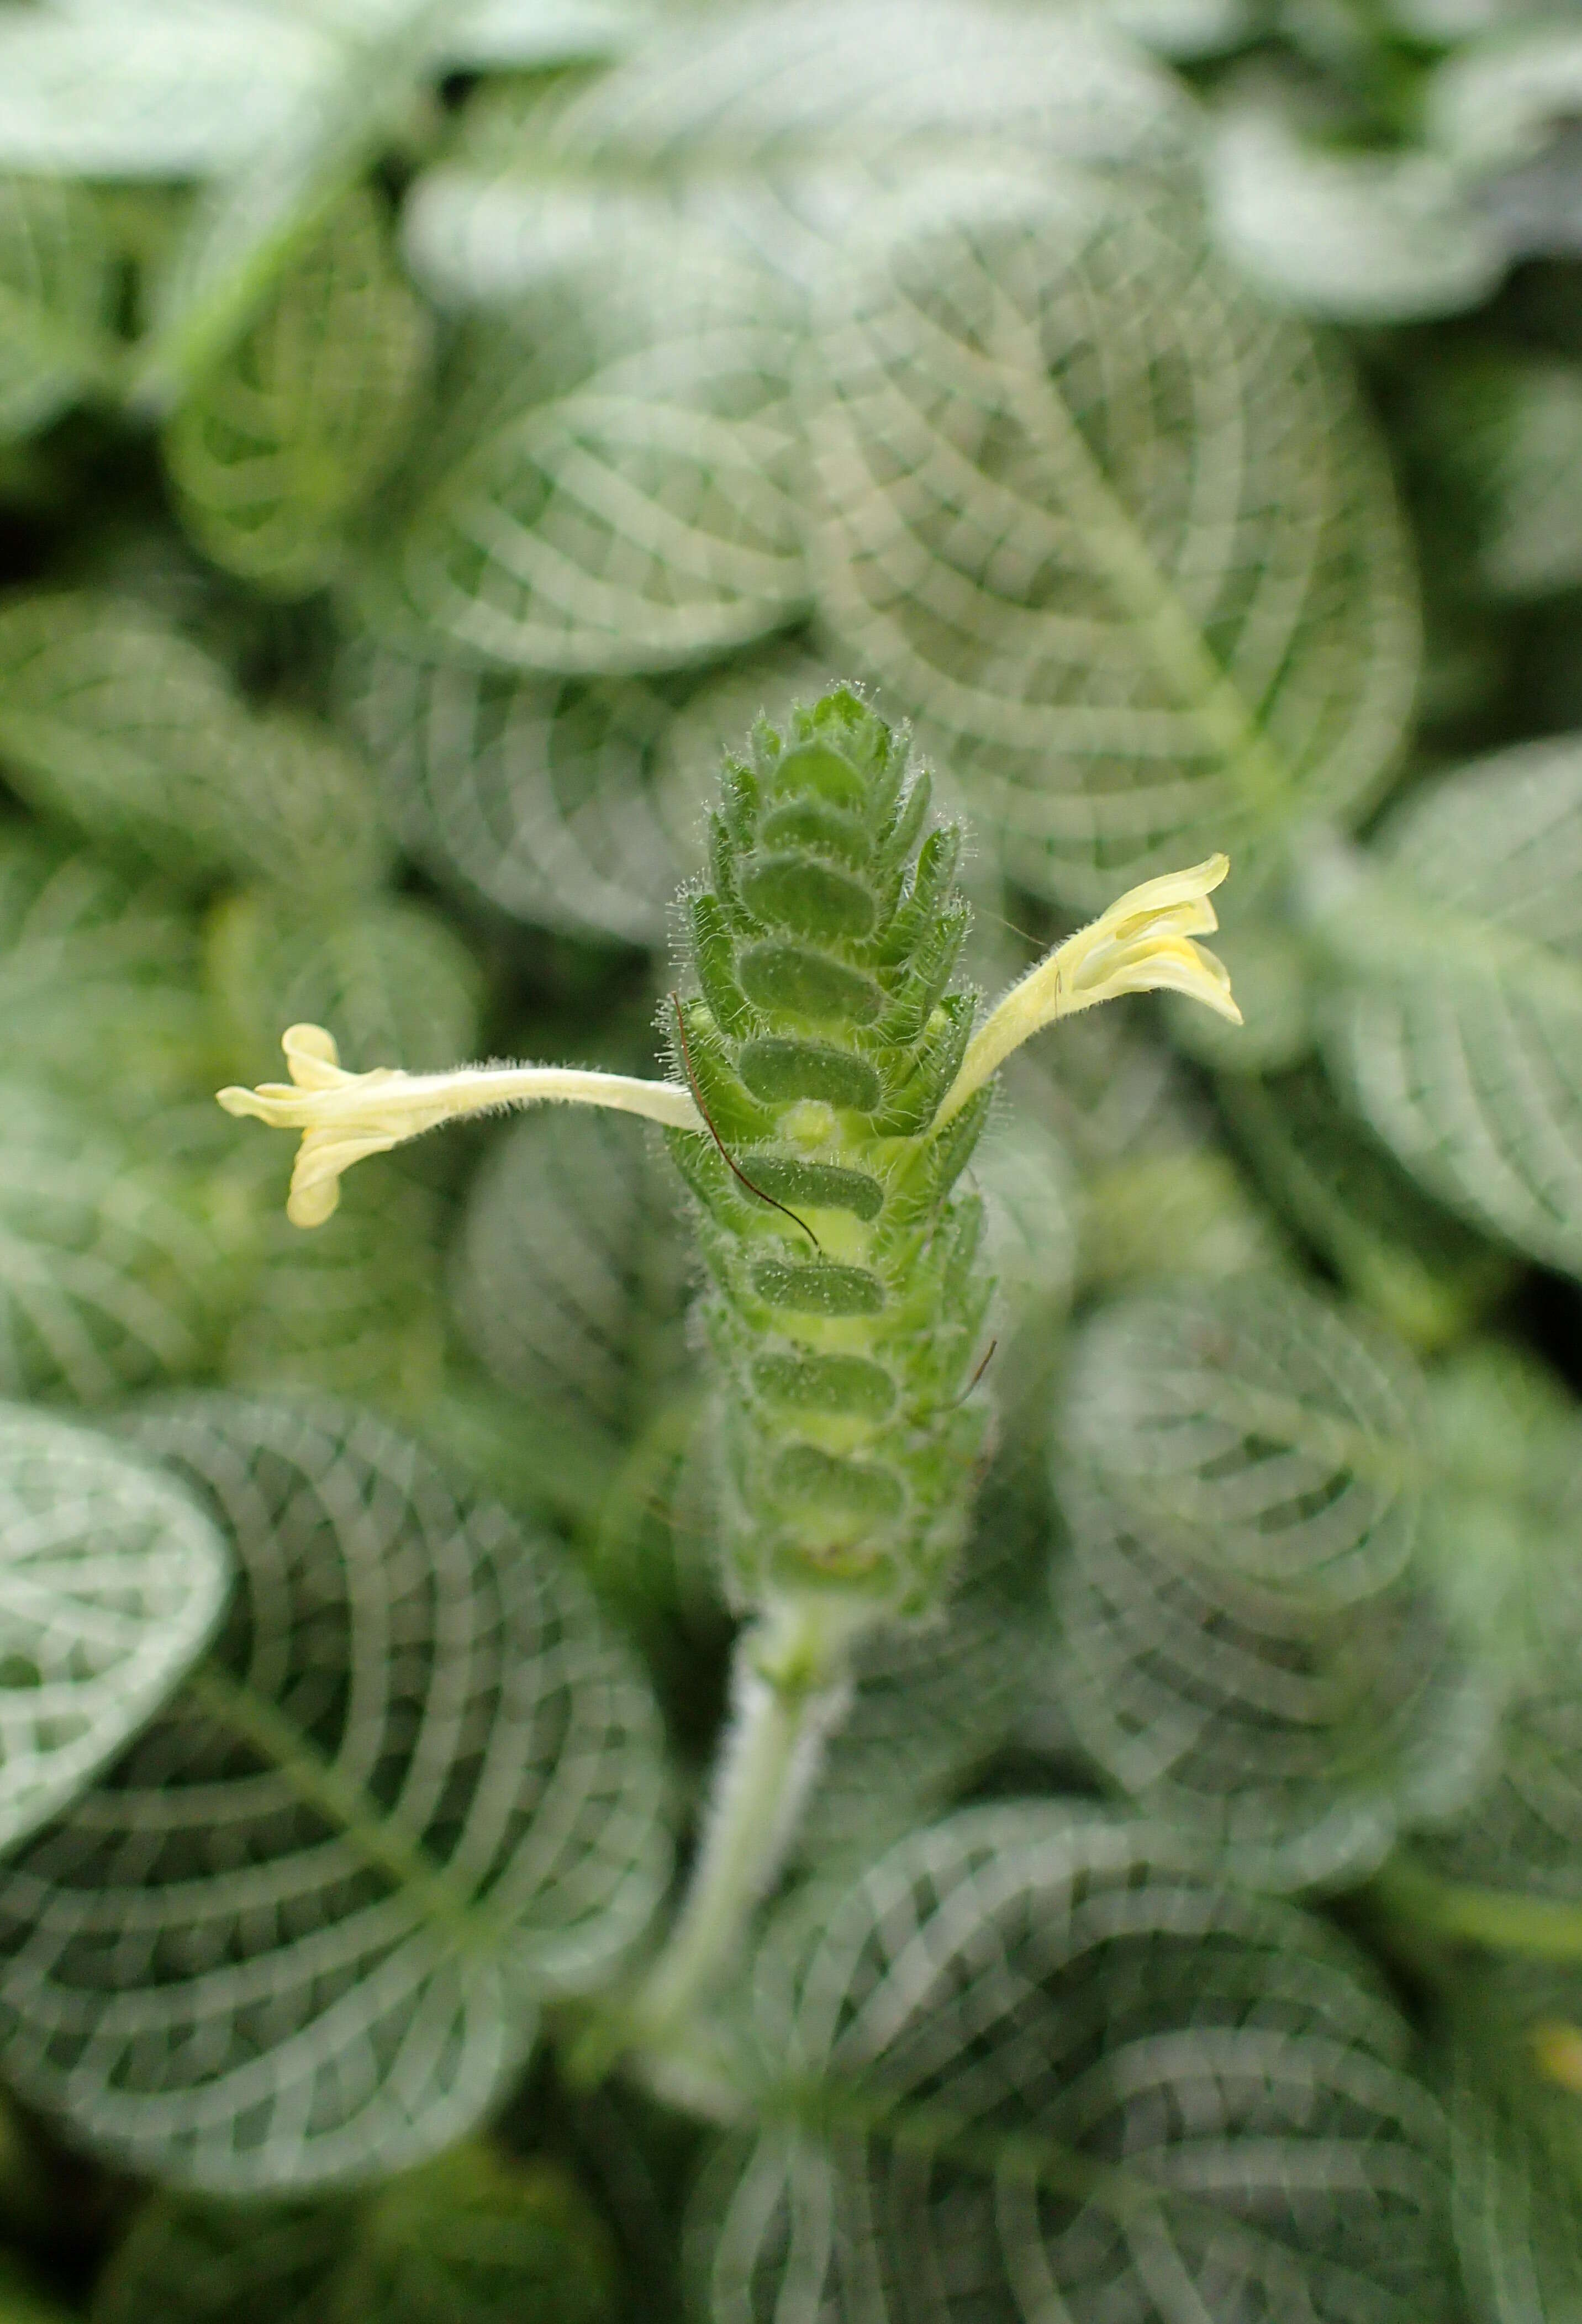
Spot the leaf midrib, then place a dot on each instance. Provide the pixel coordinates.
(475, 1926)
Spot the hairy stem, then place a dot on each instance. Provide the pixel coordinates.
(790, 1690)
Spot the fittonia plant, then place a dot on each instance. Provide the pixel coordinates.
(831, 1080)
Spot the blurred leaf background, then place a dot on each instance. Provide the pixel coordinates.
(429, 435)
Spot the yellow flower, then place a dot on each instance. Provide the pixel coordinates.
(344, 1116)
(1142, 944)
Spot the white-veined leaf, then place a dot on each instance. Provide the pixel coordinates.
(618, 487)
(1454, 1009)
(111, 1580)
(1538, 204)
(98, 981)
(1524, 1835)
(285, 437)
(1353, 237)
(56, 289)
(387, 977)
(568, 1278)
(530, 35)
(1506, 433)
(1251, 1428)
(1118, 537)
(1270, 974)
(536, 793)
(1442, 24)
(774, 126)
(1293, 1743)
(1427, 1275)
(1184, 1213)
(250, 224)
(1504, 1490)
(100, 88)
(112, 719)
(764, 84)
(1494, 102)
(1515, 2168)
(1182, 30)
(1061, 2076)
(1109, 1089)
(1033, 1224)
(301, 1931)
(111, 1276)
(354, 1311)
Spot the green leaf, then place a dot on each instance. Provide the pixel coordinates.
(1353, 237)
(1058, 2074)
(186, 2260)
(470, 2237)
(536, 793)
(288, 435)
(388, 977)
(1065, 461)
(255, 222)
(112, 1274)
(569, 1279)
(618, 488)
(1427, 1276)
(302, 1935)
(473, 2239)
(1252, 1430)
(56, 291)
(110, 1583)
(149, 89)
(1455, 1019)
(24, 2300)
(115, 722)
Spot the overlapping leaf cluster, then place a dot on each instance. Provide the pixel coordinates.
(430, 434)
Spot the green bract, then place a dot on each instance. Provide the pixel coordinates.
(845, 1311)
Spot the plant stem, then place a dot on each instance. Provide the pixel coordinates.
(790, 1690)
(1505, 1920)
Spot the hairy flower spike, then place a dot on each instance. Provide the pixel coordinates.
(846, 1313)
(828, 1092)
